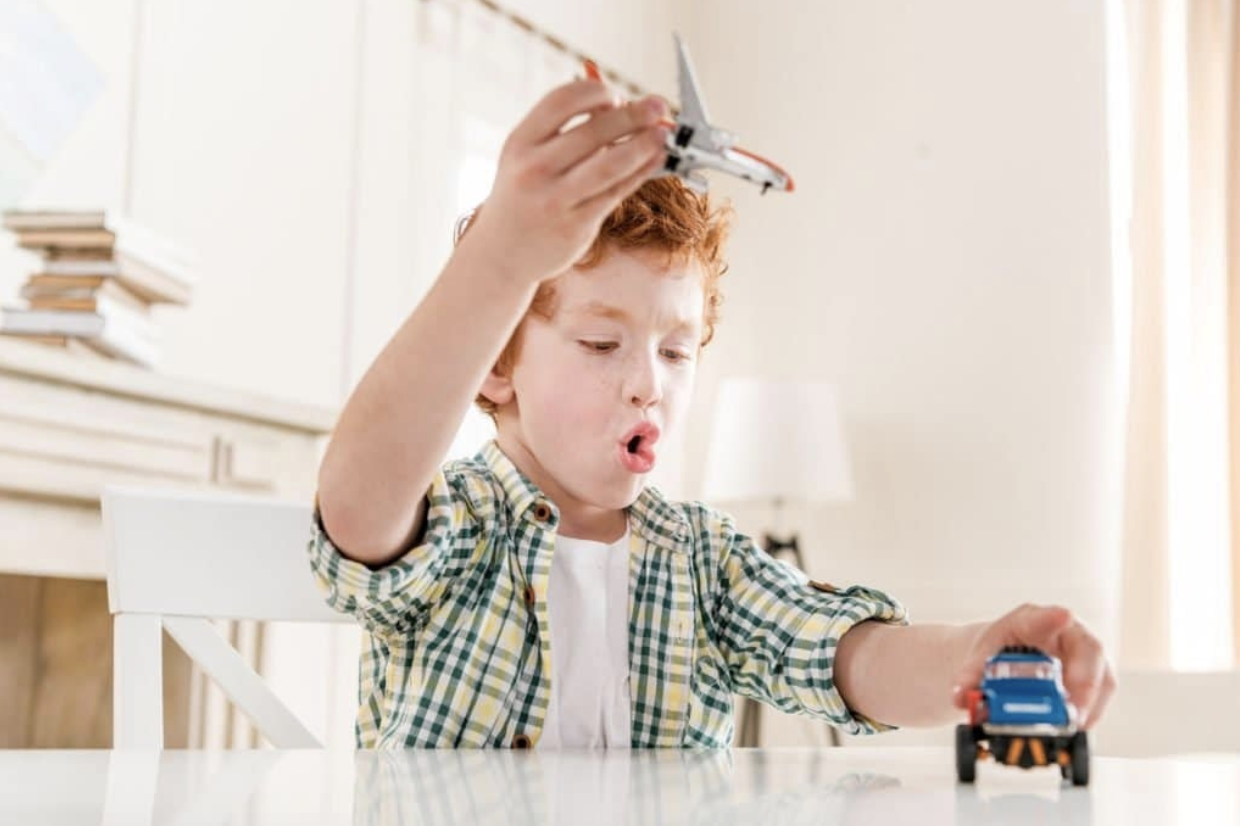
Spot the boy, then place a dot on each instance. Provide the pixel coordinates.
(539, 593)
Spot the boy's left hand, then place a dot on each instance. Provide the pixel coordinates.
(1086, 674)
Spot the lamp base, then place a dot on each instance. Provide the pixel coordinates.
(774, 546)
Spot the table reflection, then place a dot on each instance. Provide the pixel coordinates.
(598, 787)
(812, 786)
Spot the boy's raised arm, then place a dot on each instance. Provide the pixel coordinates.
(552, 191)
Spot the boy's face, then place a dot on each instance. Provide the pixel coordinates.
(618, 355)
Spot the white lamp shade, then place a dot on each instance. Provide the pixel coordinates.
(776, 440)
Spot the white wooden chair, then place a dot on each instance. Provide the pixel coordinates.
(177, 559)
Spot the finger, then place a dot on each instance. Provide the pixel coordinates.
(1040, 627)
(569, 148)
(1104, 697)
(557, 107)
(603, 203)
(593, 73)
(612, 165)
(1085, 667)
(1029, 624)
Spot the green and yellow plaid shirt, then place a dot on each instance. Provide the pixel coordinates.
(458, 650)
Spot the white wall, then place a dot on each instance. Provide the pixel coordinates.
(89, 169)
(944, 261)
(633, 38)
(241, 153)
(278, 141)
(289, 145)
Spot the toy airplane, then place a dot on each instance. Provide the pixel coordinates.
(693, 144)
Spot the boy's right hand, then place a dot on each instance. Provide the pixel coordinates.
(554, 188)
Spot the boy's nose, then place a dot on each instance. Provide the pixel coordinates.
(644, 385)
(645, 392)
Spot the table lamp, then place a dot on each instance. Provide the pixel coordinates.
(775, 442)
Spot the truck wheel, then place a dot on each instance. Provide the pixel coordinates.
(966, 753)
(1080, 758)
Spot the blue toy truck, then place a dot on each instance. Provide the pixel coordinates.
(1020, 717)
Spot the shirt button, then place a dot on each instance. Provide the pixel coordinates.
(529, 595)
(823, 586)
(542, 512)
(520, 742)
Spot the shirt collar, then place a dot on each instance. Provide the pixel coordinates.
(519, 490)
(652, 516)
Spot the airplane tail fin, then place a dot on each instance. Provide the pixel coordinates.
(692, 107)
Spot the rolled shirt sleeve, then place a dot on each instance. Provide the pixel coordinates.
(779, 631)
(396, 598)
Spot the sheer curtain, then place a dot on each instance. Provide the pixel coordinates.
(477, 75)
(1178, 164)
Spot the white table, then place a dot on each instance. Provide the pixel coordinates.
(823, 786)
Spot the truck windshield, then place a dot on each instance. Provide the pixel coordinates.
(1021, 669)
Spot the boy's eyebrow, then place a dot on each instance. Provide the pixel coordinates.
(607, 311)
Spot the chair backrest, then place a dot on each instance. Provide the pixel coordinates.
(175, 560)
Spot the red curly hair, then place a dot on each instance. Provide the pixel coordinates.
(663, 215)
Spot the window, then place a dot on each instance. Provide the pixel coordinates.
(1045, 670)
(481, 144)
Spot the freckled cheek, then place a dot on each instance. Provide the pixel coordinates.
(599, 390)
(607, 377)
(568, 392)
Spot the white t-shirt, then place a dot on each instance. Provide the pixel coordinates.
(588, 610)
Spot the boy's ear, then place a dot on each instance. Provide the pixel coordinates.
(498, 388)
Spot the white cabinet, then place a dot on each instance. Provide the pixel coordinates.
(71, 423)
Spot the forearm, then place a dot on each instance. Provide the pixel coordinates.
(401, 418)
(903, 675)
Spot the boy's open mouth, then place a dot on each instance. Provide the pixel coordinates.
(637, 448)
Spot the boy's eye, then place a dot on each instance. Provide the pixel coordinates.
(607, 347)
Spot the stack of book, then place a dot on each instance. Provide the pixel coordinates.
(99, 278)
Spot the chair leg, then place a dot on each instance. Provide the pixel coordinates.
(137, 682)
(133, 779)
